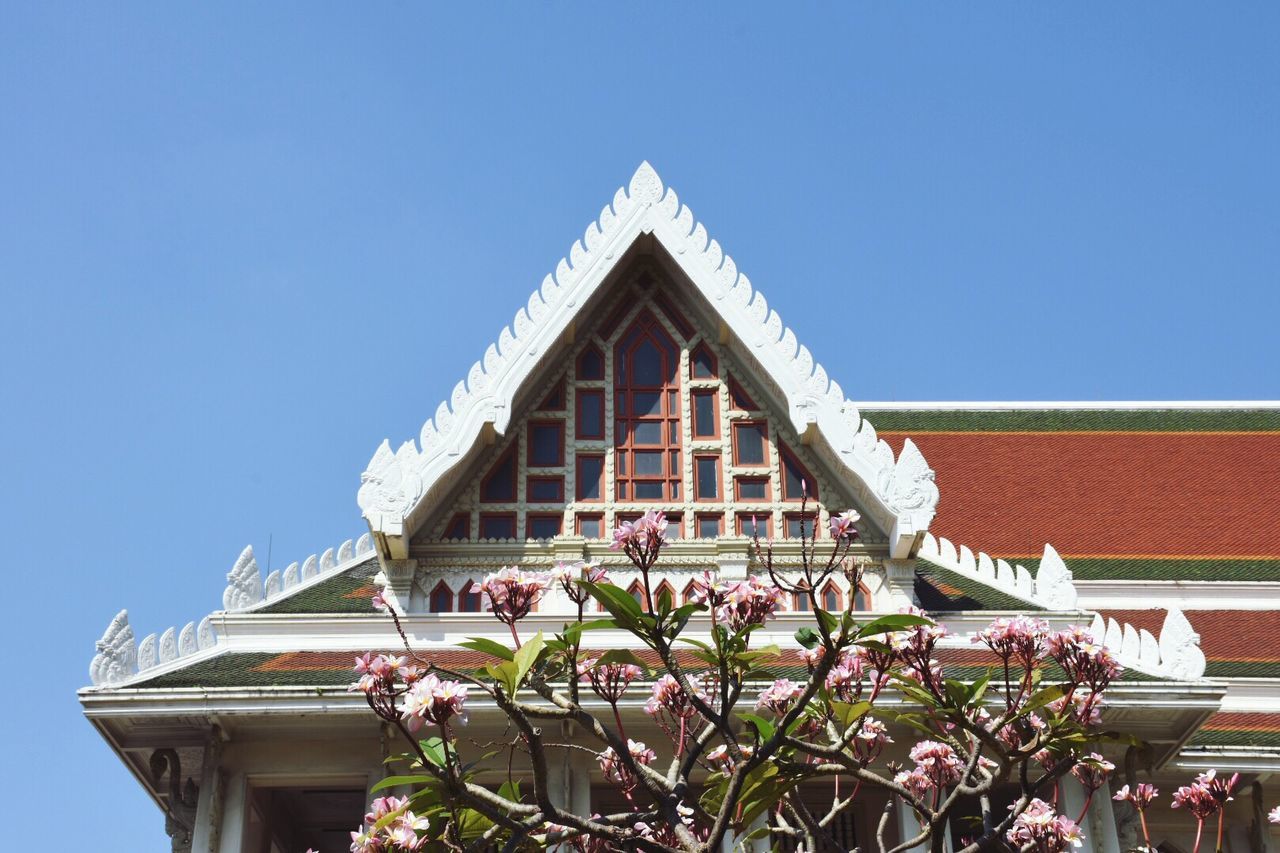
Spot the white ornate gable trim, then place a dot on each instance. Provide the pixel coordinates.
(1176, 654)
(900, 494)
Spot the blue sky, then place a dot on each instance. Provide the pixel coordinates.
(239, 247)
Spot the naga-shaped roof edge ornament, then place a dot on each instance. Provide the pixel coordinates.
(1176, 654)
(900, 493)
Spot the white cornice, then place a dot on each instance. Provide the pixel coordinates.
(1085, 405)
(900, 494)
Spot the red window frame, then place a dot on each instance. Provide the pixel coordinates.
(497, 516)
(540, 478)
(711, 358)
(829, 590)
(554, 401)
(465, 595)
(579, 430)
(800, 602)
(697, 480)
(459, 518)
(738, 427)
(581, 373)
(744, 520)
(788, 458)
(690, 590)
(646, 329)
(577, 479)
(740, 400)
(667, 588)
(717, 517)
(796, 516)
(440, 593)
(558, 518)
(589, 516)
(558, 425)
(704, 393)
(508, 456)
(864, 594)
(737, 490)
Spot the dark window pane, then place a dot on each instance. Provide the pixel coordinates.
(753, 489)
(646, 403)
(544, 526)
(797, 527)
(708, 526)
(497, 526)
(458, 527)
(675, 490)
(831, 599)
(703, 366)
(860, 600)
(646, 432)
(648, 463)
(591, 365)
(500, 484)
(646, 364)
(704, 416)
(621, 491)
(545, 444)
(589, 527)
(800, 601)
(546, 489)
(441, 600)
(674, 431)
(468, 601)
(647, 490)
(555, 400)
(791, 477)
(590, 415)
(590, 471)
(708, 481)
(749, 445)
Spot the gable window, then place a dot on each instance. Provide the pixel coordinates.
(753, 488)
(751, 524)
(441, 599)
(690, 591)
(799, 526)
(543, 526)
(702, 364)
(554, 401)
(647, 412)
(591, 364)
(459, 527)
(590, 478)
(749, 439)
(546, 444)
(710, 526)
(499, 486)
(590, 424)
(738, 398)
(800, 600)
(665, 596)
(797, 483)
(468, 601)
(832, 598)
(706, 414)
(636, 591)
(862, 599)
(706, 478)
(497, 525)
(544, 490)
(590, 526)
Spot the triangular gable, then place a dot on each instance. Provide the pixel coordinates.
(396, 487)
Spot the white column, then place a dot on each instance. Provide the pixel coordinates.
(1070, 803)
(209, 808)
(908, 826)
(234, 813)
(1101, 821)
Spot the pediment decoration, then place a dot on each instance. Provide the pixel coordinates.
(399, 486)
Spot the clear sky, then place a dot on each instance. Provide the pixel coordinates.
(239, 247)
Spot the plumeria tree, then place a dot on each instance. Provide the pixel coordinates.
(737, 742)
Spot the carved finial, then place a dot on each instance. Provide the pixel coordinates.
(913, 486)
(117, 656)
(1180, 654)
(1054, 583)
(244, 582)
(205, 638)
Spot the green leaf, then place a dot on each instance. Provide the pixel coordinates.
(828, 621)
(764, 728)
(847, 713)
(1041, 698)
(397, 781)
(433, 748)
(621, 606)
(488, 647)
(505, 674)
(510, 791)
(807, 637)
(527, 656)
(892, 622)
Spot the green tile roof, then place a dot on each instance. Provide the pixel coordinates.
(942, 590)
(348, 592)
(1165, 569)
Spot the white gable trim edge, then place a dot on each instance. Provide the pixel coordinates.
(901, 493)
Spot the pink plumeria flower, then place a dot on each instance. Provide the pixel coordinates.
(842, 525)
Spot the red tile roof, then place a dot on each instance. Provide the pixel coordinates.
(1225, 635)
(1098, 494)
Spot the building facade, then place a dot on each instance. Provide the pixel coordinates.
(648, 373)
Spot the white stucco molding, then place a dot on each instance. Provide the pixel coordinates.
(121, 658)
(1176, 654)
(900, 494)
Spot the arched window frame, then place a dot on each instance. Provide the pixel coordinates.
(832, 588)
(865, 595)
(465, 596)
(702, 351)
(440, 594)
(690, 590)
(581, 373)
(635, 589)
(665, 588)
(627, 389)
